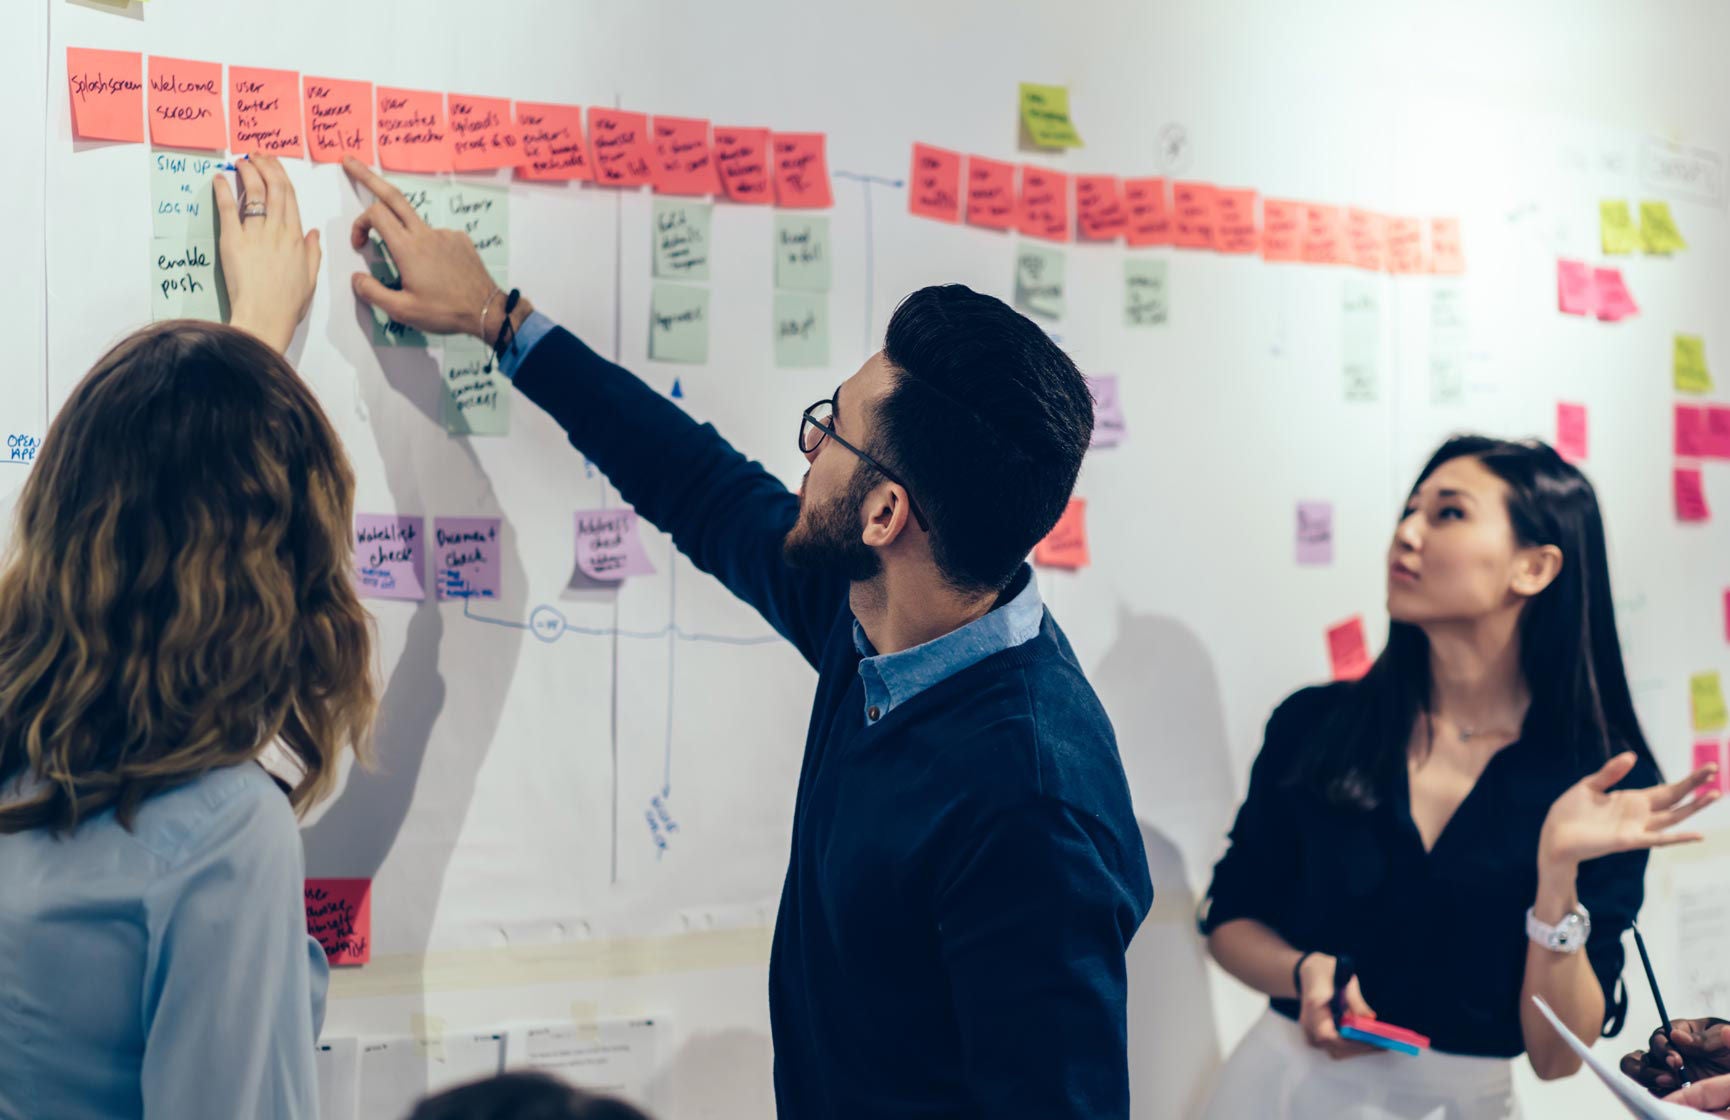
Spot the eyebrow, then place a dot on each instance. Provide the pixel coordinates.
(1457, 494)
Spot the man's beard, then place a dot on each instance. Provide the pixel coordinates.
(826, 537)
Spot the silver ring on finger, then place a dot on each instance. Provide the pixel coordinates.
(252, 210)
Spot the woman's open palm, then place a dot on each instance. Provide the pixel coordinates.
(1591, 819)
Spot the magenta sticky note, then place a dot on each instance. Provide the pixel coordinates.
(466, 557)
(1576, 289)
(388, 563)
(609, 546)
(1715, 443)
(1571, 431)
(1712, 754)
(1690, 431)
(1315, 533)
(1690, 495)
(1614, 300)
(1109, 428)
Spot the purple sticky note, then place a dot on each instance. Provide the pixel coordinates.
(1109, 428)
(466, 556)
(1576, 288)
(1315, 533)
(608, 545)
(387, 556)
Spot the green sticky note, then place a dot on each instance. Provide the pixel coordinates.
(1145, 303)
(385, 330)
(802, 252)
(1707, 694)
(482, 212)
(182, 202)
(425, 195)
(1616, 227)
(186, 280)
(680, 236)
(1658, 232)
(1448, 340)
(1045, 115)
(1690, 365)
(1361, 338)
(679, 323)
(476, 401)
(801, 329)
(1039, 281)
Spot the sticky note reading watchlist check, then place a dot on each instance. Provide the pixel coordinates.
(388, 560)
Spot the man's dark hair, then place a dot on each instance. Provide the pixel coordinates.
(987, 421)
(521, 1096)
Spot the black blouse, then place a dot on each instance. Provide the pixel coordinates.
(1439, 937)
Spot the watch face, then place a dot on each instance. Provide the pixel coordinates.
(1571, 931)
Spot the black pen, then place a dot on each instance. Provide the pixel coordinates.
(1657, 997)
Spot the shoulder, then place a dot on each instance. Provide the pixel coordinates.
(1297, 718)
(236, 810)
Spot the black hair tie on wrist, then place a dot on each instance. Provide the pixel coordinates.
(1297, 973)
(507, 333)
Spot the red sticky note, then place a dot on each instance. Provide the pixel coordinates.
(1149, 212)
(1099, 210)
(1324, 236)
(935, 184)
(1192, 215)
(1406, 246)
(1234, 228)
(1712, 754)
(1044, 204)
(412, 135)
(264, 112)
(990, 193)
(1348, 652)
(1715, 442)
(338, 119)
(1571, 431)
(1690, 495)
(1367, 239)
(1614, 302)
(483, 136)
(1447, 253)
(1066, 545)
(801, 171)
(624, 154)
(107, 91)
(1282, 230)
(1690, 431)
(742, 159)
(1576, 288)
(683, 162)
(339, 917)
(552, 137)
(186, 104)
(1727, 615)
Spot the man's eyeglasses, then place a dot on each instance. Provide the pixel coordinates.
(818, 424)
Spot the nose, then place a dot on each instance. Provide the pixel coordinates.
(1408, 535)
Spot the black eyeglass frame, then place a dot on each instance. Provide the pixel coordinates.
(828, 430)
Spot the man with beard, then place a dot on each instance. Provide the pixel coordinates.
(966, 870)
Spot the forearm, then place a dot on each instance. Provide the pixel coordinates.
(1256, 955)
(1565, 981)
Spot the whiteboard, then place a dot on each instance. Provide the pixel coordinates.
(516, 877)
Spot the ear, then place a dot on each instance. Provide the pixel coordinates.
(886, 514)
(1535, 569)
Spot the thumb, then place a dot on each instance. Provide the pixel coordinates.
(1355, 1001)
(314, 255)
(1611, 772)
(388, 300)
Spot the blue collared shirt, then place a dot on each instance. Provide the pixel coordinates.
(534, 328)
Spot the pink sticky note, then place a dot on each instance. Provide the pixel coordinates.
(1406, 246)
(742, 158)
(1690, 495)
(388, 561)
(107, 91)
(1234, 226)
(1576, 288)
(1099, 210)
(1571, 431)
(1690, 431)
(466, 557)
(186, 104)
(1282, 230)
(1447, 252)
(553, 148)
(1192, 215)
(1727, 615)
(338, 119)
(1109, 428)
(483, 135)
(609, 546)
(624, 153)
(1324, 236)
(412, 135)
(1367, 239)
(801, 171)
(264, 112)
(934, 184)
(1044, 204)
(684, 164)
(1315, 532)
(1715, 433)
(1348, 652)
(1066, 545)
(1614, 301)
(1149, 213)
(990, 193)
(1712, 754)
(339, 917)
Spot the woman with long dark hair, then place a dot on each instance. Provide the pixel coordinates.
(1467, 825)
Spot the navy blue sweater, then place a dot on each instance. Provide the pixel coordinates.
(966, 873)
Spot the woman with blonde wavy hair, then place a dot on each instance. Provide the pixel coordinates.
(177, 600)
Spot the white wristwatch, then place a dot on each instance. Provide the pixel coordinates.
(1566, 936)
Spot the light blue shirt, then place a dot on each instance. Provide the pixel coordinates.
(895, 678)
(163, 973)
(535, 328)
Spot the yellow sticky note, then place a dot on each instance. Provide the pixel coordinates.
(1616, 226)
(1658, 232)
(1708, 695)
(1045, 112)
(1691, 373)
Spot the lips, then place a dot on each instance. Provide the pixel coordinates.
(1400, 571)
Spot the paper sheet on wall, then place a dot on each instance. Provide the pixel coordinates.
(337, 1062)
(396, 1072)
(1361, 338)
(1636, 1100)
(1448, 341)
(606, 1057)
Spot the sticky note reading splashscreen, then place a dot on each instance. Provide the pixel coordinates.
(107, 91)
(388, 561)
(339, 917)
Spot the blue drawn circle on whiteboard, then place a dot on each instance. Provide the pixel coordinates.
(547, 624)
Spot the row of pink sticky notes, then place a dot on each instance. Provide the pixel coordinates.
(1584, 290)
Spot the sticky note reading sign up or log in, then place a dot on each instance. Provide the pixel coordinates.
(339, 917)
(182, 198)
(388, 561)
(412, 135)
(1045, 116)
(466, 557)
(1145, 300)
(1066, 545)
(609, 546)
(264, 112)
(107, 92)
(1348, 651)
(339, 120)
(934, 189)
(186, 104)
(1706, 696)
